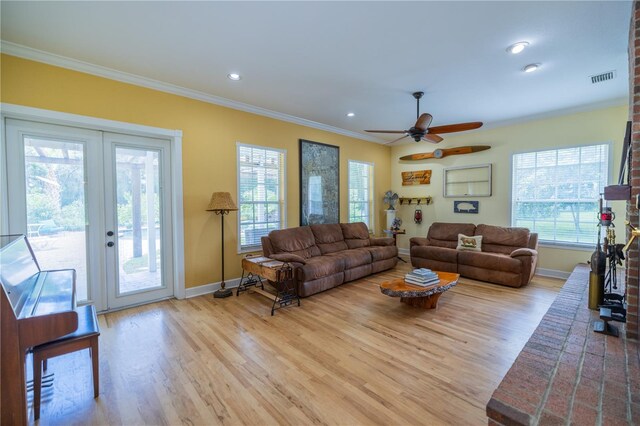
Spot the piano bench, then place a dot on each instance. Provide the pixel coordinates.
(85, 337)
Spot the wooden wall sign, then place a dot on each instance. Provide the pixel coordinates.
(419, 177)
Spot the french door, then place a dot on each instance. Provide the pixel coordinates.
(97, 202)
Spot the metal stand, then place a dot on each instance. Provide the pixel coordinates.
(251, 280)
(286, 289)
(603, 326)
(614, 302)
(222, 292)
(281, 277)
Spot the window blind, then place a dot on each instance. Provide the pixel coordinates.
(261, 193)
(361, 192)
(555, 192)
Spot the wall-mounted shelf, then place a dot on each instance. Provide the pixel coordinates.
(417, 200)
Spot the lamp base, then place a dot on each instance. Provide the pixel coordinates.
(222, 293)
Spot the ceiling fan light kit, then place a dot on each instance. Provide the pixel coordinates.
(421, 131)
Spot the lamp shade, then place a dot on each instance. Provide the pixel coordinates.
(221, 201)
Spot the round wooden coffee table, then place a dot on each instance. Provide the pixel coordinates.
(422, 297)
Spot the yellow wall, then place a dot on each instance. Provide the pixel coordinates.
(210, 133)
(605, 125)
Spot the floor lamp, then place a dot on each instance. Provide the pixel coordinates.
(221, 204)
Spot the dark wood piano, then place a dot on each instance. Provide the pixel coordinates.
(36, 307)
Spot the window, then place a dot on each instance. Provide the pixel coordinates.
(261, 193)
(361, 192)
(555, 193)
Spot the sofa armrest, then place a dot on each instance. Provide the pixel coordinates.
(382, 241)
(418, 241)
(289, 258)
(523, 252)
(528, 259)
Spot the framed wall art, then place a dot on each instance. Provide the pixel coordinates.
(465, 206)
(319, 183)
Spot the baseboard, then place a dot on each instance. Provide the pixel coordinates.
(553, 273)
(210, 288)
(403, 251)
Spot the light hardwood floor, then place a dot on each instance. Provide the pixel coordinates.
(350, 355)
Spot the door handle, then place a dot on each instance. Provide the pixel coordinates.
(110, 244)
(109, 233)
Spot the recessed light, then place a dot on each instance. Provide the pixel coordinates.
(518, 47)
(350, 114)
(233, 76)
(531, 67)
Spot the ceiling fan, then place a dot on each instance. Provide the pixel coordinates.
(422, 131)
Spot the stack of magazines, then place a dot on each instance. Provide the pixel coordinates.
(423, 277)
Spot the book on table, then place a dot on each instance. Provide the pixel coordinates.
(423, 277)
(422, 283)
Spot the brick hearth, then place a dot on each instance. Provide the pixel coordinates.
(566, 373)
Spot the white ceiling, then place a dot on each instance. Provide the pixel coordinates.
(320, 60)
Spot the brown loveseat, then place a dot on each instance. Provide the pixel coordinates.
(325, 256)
(508, 256)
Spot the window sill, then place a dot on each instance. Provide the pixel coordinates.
(567, 246)
(247, 250)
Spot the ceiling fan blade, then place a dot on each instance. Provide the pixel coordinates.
(460, 127)
(423, 122)
(396, 140)
(432, 138)
(386, 131)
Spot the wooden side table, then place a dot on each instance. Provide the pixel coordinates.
(395, 233)
(280, 273)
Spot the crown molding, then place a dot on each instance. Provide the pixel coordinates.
(25, 52)
(559, 112)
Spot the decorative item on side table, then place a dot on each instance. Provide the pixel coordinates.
(319, 183)
(394, 230)
(221, 204)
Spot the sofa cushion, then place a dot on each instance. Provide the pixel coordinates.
(473, 243)
(356, 235)
(298, 241)
(320, 266)
(446, 234)
(490, 261)
(354, 257)
(498, 239)
(382, 252)
(440, 254)
(329, 237)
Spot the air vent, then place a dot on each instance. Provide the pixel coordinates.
(609, 75)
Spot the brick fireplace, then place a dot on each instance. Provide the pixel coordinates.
(566, 373)
(633, 261)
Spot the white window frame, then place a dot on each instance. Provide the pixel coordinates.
(283, 200)
(557, 243)
(371, 218)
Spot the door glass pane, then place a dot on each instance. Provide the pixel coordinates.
(138, 214)
(56, 208)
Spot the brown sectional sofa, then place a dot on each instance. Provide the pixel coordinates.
(325, 256)
(508, 256)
